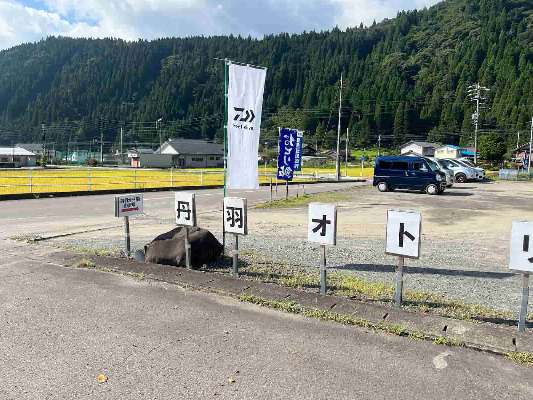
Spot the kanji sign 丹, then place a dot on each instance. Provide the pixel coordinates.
(287, 154)
(128, 205)
(185, 207)
(403, 233)
(322, 226)
(235, 220)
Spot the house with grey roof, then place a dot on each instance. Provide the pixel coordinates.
(192, 153)
(16, 157)
(424, 149)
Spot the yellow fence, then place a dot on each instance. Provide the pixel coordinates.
(96, 179)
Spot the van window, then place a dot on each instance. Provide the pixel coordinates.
(401, 165)
(385, 164)
(420, 166)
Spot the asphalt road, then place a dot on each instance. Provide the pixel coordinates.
(64, 214)
(62, 327)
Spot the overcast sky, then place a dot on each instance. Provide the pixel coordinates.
(30, 20)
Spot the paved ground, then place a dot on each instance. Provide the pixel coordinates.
(62, 327)
(464, 249)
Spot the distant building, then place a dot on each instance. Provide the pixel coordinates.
(16, 157)
(424, 149)
(448, 151)
(190, 153)
(38, 149)
(146, 158)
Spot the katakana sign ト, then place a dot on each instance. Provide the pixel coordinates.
(235, 215)
(403, 233)
(322, 226)
(521, 257)
(128, 205)
(287, 154)
(185, 208)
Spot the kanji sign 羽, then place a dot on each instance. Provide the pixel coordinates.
(521, 257)
(287, 154)
(128, 205)
(403, 233)
(185, 208)
(322, 226)
(235, 220)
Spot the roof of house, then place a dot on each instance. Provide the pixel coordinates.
(421, 144)
(15, 151)
(452, 146)
(193, 146)
(33, 147)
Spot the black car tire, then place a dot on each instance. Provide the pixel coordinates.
(432, 189)
(460, 178)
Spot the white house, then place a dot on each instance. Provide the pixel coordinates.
(17, 157)
(448, 151)
(424, 149)
(191, 153)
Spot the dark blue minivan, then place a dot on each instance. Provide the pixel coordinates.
(411, 173)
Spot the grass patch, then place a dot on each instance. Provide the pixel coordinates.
(326, 197)
(394, 329)
(520, 357)
(91, 251)
(84, 263)
(349, 285)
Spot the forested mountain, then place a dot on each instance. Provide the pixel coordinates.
(404, 78)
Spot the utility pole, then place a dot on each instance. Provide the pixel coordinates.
(158, 128)
(101, 145)
(379, 145)
(518, 140)
(530, 148)
(338, 163)
(346, 154)
(121, 145)
(476, 93)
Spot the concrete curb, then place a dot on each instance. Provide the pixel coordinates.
(21, 196)
(476, 335)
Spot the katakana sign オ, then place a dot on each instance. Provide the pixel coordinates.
(403, 233)
(287, 154)
(235, 211)
(185, 208)
(322, 226)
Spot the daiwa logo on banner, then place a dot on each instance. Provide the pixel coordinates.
(243, 115)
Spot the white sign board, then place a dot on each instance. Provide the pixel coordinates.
(522, 246)
(128, 205)
(185, 208)
(235, 220)
(322, 226)
(404, 229)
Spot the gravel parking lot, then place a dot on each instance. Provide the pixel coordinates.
(464, 249)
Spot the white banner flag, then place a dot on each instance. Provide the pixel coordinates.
(245, 105)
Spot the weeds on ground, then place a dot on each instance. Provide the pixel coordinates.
(524, 358)
(306, 199)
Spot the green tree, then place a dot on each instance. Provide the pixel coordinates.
(492, 147)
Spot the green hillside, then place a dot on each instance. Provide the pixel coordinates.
(405, 78)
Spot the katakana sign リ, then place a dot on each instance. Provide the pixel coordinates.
(235, 215)
(287, 154)
(128, 205)
(403, 233)
(185, 208)
(322, 226)
(521, 257)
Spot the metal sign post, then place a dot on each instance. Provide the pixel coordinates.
(322, 229)
(127, 206)
(521, 260)
(236, 222)
(185, 209)
(404, 229)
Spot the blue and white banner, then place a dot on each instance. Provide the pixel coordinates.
(299, 148)
(287, 153)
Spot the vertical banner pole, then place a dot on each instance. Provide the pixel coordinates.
(236, 256)
(524, 303)
(270, 189)
(286, 190)
(127, 235)
(187, 249)
(226, 78)
(323, 273)
(399, 282)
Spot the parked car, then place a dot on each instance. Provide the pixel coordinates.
(450, 177)
(461, 172)
(405, 172)
(480, 171)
